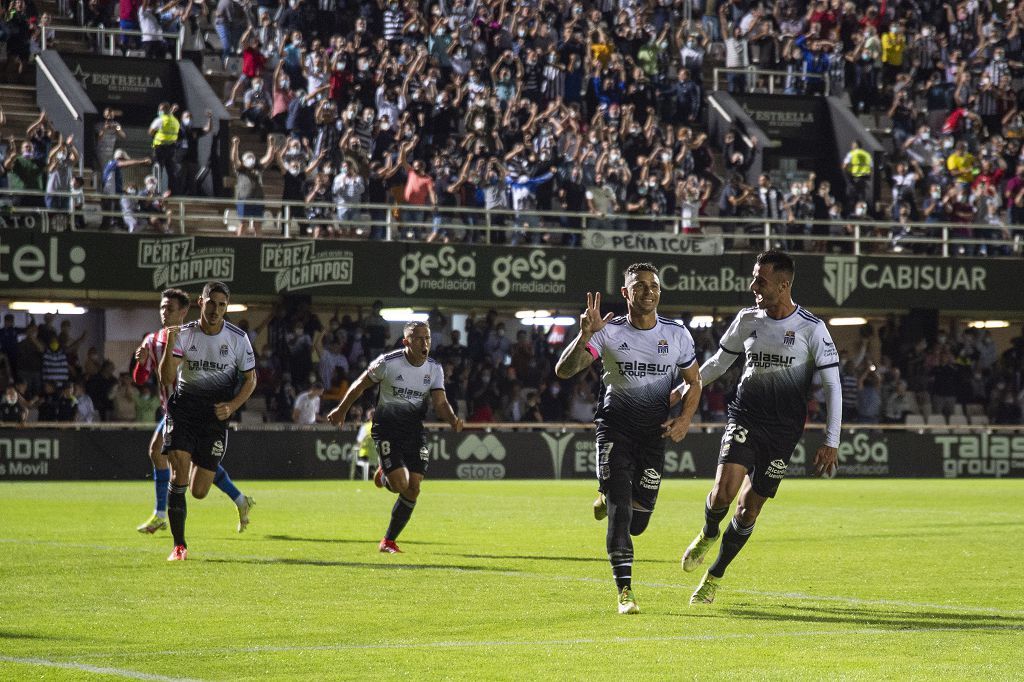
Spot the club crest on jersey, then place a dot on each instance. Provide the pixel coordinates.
(789, 339)
(224, 350)
(662, 347)
(426, 379)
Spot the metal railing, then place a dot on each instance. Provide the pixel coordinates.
(395, 222)
(549, 427)
(752, 74)
(106, 37)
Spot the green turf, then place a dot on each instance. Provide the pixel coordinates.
(508, 580)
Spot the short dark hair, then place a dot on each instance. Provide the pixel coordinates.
(410, 327)
(214, 287)
(176, 295)
(779, 260)
(639, 267)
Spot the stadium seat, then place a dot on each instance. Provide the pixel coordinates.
(978, 419)
(937, 420)
(974, 409)
(958, 411)
(915, 420)
(958, 420)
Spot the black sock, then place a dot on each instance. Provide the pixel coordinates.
(176, 511)
(400, 515)
(619, 543)
(713, 519)
(733, 539)
(622, 567)
(638, 524)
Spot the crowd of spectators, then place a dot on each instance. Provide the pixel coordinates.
(598, 108)
(304, 366)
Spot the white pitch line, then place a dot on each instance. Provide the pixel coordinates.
(99, 670)
(852, 601)
(510, 643)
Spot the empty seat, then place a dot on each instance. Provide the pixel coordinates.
(915, 420)
(959, 420)
(974, 409)
(958, 411)
(937, 420)
(978, 419)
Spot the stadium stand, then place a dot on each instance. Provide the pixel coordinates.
(524, 123)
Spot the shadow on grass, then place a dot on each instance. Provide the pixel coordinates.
(343, 541)
(889, 618)
(528, 557)
(281, 561)
(9, 634)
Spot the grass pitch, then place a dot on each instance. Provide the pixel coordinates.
(907, 579)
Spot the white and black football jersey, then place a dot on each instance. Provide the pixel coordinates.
(211, 363)
(640, 369)
(781, 357)
(403, 395)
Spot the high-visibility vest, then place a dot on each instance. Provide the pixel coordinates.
(860, 163)
(167, 133)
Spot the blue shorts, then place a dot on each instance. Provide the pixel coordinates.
(249, 210)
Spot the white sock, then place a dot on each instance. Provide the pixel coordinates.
(161, 514)
(240, 500)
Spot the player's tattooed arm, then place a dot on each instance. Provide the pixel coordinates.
(576, 358)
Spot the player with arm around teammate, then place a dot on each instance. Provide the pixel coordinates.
(643, 354)
(409, 382)
(201, 363)
(174, 305)
(785, 346)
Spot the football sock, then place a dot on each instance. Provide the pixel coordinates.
(733, 539)
(619, 543)
(638, 524)
(400, 515)
(622, 567)
(161, 477)
(223, 482)
(176, 511)
(713, 519)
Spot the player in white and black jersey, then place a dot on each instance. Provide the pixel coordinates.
(784, 348)
(201, 363)
(643, 356)
(409, 382)
(174, 304)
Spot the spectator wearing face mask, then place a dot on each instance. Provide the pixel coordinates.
(59, 166)
(253, 62)
(187, 154)
(249, 184)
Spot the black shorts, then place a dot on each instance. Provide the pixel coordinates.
(205, 440)
(625, 463)
(764, 454)
(397, 454)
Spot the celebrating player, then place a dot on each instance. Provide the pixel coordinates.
(642, 354)
(173, 308)
(205, 358)
(407, 378)
(785, 347)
